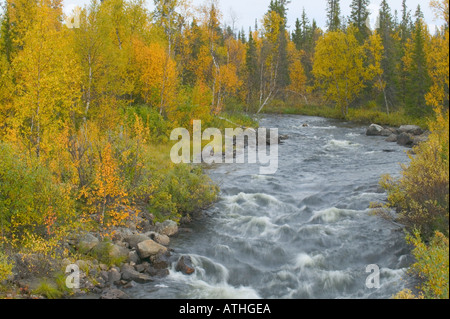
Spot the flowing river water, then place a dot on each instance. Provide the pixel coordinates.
(304, 232)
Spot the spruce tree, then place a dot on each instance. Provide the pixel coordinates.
(418, 80)
(358, 17)
(251, 63)
(391, 56)
(333, 15)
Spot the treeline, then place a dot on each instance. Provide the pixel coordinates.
(86, 105)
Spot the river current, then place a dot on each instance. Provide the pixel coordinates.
(305, 232)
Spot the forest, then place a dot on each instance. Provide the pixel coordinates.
(87, 105)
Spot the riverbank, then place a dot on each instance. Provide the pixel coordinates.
(101, 269)
(360, 116)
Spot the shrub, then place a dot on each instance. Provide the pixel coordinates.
(431, 267)
(33, 209)
(47, 290)
(5, 267)
(421, 195)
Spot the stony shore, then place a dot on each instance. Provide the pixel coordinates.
(406, 135)
(137, 254)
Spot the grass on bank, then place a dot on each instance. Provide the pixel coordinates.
(365, 115)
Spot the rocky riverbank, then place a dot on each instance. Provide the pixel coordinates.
(137, 254)
(406, 135)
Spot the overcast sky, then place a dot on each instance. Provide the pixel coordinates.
(246, 11)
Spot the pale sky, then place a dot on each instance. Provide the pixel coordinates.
(247, 11)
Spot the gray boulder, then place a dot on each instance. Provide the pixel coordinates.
(110, 251)
(159, 238)
(114, 276)
(114, 293)
(133, 256)
(149, 248)
(392, 138)
(405, 139)
(185, 266)
(135, 239)
(410, 129)
(386, 132)
(374, 130)
(86, 242)
(161, 260)
(130, 274)
(118, 252)
(168, 228)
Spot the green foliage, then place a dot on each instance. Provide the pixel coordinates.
(48, 290)
(371, 115)
(5, 267)
(32, 207)
(183, 190)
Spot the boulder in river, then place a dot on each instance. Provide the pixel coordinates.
(386, 132)
(410, 129)
(185, 266)
(392, 138)
(405, 139)
(374, 130)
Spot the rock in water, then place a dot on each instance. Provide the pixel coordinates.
(149, 248)
(374, 130)
(184, 265)
(405, 139)
(385, 132)
(410, 129)
(392, 138)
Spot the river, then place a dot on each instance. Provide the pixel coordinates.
(304, 232)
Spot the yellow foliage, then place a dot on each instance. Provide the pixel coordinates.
(296, 71)
(438, 61)
(48, 80)
(339, 67)
(107, 198)
(158, 77)
(432, 261)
